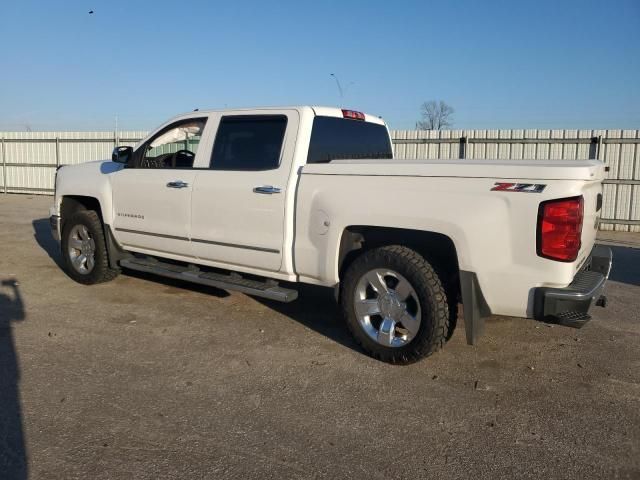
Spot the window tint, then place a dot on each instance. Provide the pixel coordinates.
(335, 138)
(249, 142)
(175, 146)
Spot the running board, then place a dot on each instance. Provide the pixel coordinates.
(267, 289)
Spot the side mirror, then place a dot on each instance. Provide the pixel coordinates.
(122, 154)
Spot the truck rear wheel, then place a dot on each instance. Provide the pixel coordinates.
(84, 249)
(394, 304)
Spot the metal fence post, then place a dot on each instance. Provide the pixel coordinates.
(4, 166)
(57, 152)
(593, 148)
(462, 150)
(600, 148)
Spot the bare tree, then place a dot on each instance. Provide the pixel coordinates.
(435, 115)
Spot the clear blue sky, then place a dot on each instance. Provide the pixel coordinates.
(501, 64)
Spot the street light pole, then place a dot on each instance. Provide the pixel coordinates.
(339, 86)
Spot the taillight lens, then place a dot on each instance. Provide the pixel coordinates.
(560, 228)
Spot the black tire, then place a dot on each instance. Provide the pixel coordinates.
(434, 318)
(101, 271)
(452, 301)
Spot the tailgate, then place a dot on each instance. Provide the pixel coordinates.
(592, 194)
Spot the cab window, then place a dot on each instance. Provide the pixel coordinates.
(342, 138)
(249, 142)
(174, 146)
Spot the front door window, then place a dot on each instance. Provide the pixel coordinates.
(173, 147)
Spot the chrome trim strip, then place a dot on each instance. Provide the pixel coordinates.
(147, 249)
(233, 245)
(198, 240)
(161, 235)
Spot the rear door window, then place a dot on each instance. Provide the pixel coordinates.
(249, 142)
(334, 138)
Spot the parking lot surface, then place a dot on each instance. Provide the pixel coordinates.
(144, 377)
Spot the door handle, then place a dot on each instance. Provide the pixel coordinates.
(266, 189)
(177, 184)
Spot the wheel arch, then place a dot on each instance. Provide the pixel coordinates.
(71, 204)
(437, 248)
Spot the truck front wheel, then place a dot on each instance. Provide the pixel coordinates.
(84, 249)
(394, 304)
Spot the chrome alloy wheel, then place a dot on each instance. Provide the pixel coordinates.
(82, 249)
(387, 307)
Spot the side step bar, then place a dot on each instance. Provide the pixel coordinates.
(267, 289)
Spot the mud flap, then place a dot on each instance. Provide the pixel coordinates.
(474, 306)
(114, 251)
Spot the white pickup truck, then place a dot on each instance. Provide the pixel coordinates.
(257, 200)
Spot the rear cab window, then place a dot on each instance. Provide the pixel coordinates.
(249, 142)
(334, 138)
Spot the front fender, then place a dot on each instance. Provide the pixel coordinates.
(91, 179)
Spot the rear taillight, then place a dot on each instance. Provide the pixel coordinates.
(353, 114)
(560, 228)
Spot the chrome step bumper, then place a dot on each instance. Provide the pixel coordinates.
(570, 305)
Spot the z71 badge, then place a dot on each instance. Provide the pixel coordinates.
(519, 187)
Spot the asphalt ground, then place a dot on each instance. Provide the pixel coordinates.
(148, 378)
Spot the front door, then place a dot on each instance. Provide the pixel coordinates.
(238, 205)
(152, 196)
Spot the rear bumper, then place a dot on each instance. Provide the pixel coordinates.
(570, 305)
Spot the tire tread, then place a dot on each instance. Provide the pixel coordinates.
(102, 272)
(425, 279)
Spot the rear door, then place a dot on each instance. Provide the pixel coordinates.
(238, 203)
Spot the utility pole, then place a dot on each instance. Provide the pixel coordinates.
(339, 86)
(116, 135)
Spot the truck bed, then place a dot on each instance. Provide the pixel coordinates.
(485, 168)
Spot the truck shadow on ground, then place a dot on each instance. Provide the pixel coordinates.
(13, 454)
(315, 308)
(177, 284)
(43, 237)
(626, 265)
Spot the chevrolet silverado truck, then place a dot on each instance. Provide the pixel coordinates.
(259, 200)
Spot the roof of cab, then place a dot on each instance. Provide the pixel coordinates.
(317, 110)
